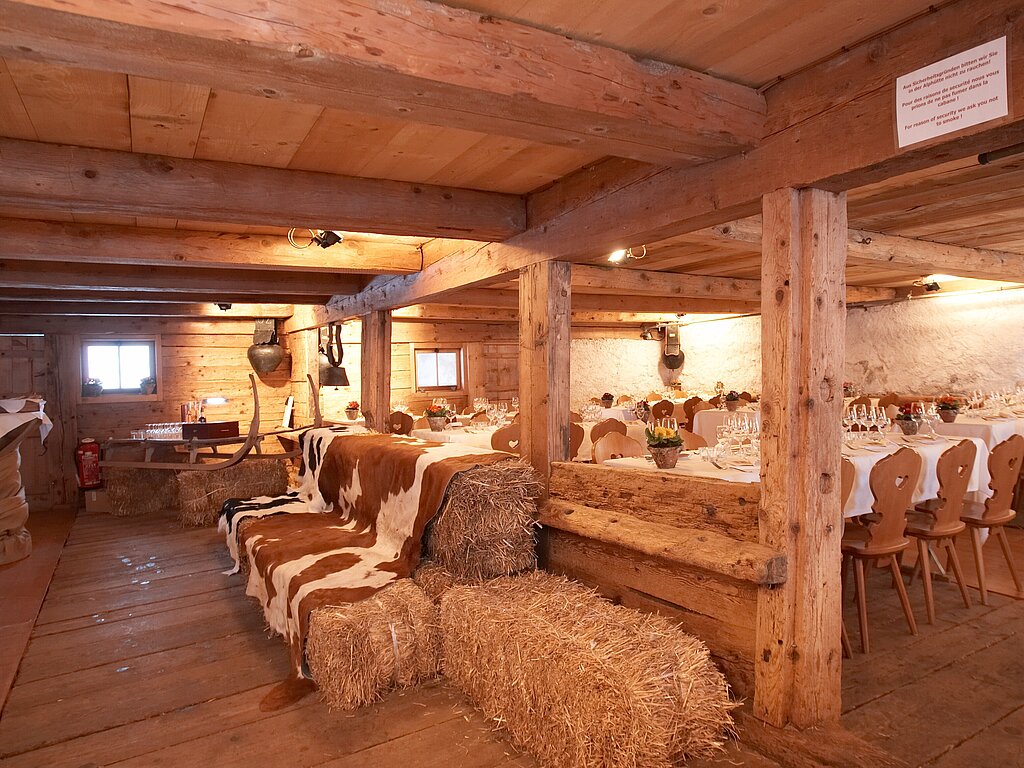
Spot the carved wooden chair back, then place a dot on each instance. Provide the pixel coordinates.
(575, 416)
(400, 423)
(691, 442)
(716, 401)
(616, 446)
(891, 399)
(847, 474)
(1004, 465)
(576, 435)
(478, 418)
(506, 439)
(862, 400)
(602, 428)
(893, 482)
(954, 470)
(654, 396)
(662, 409)
(622, 399)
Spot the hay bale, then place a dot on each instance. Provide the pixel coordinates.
(139, 491)
(578, 681)
(359, 652)
(487, 523)
(203, 492)
(436, 580)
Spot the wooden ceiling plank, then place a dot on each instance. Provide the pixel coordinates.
(166, 117)
(14, 119)
(95, 244)
(437, 65)
(139, 296)
(52, 177)
(119, 309)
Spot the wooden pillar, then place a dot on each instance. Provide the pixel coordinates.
(803, 320)
(544, 335)
(375, 389)
(64, 363)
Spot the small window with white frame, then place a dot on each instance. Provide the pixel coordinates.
(125, 367)
(438, 369)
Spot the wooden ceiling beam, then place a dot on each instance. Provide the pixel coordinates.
(636, 205)
(899, 253)
(127, 278)
(137, 296)
(607, 302)
(452, 312)
(411, 60)
(58, 178)
(138, 309)
(26, 240)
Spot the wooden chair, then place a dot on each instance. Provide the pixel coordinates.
(468, 410)
(654, 396)
(663, 409)
(893, 481)
(400, 423)
(575, 416)
(890, 399)
(691, 442)
(596, 401)
(862, 400)
(622, 399)
(506, 439)
(602, 428)
(746, 396)
(478, 418)
(679, 414)
(576, 435)
(716, 401)
(1004, 467)
(616, 446)
(938, 520)
(688, 407)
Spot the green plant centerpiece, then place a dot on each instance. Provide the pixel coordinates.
(908, 420)
(92, 388)
(948, 408)
(148, 385)
(664, 444)
(437, 417)
(732, 400)
(352, 410)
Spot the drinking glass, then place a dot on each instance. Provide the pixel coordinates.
(515, 403)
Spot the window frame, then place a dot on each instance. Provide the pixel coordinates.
(460, 369)
(120, 395)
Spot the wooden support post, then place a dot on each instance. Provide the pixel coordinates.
(544, 328)
(64, 364)
(803, 318)
(375, 390)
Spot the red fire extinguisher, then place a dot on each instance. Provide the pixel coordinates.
(87, 459)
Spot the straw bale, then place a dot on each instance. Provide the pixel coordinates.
(135, 492)
(436, 580)
(578, 681)
(486, 527)
(357, 653)
(203, 492)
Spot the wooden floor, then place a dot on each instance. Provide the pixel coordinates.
(145, 654)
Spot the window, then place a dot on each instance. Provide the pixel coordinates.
(120, 365)
(438, 369)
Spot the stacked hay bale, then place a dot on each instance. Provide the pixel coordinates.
(358, 652)
(203, 492)
(140, 491)
(486, 527)
(436, 580)
(578, 681)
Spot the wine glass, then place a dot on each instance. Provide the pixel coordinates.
(515, 403)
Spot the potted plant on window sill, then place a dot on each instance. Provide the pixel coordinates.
(352, 410)
(664, 444)
(92, 388)
(437, 417)
(148, 386)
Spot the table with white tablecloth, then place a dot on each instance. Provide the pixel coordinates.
(622, 414)
(478, 437)
(991, 430)
(706, 423)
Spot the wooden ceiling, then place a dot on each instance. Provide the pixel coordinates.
(754, 44)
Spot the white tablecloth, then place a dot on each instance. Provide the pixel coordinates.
(706, 423)
(992, 432)
(478, 437)
(622, 414)
(692, 465)
(10, 421)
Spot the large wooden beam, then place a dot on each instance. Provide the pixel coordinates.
(432, 312)
(85, 296)
(607, 302)
(628, 207)
(141, 309)
(55, 178)
(901, 253)
(431, 63)
(100, 244)
(18, 274)
(544, 336)
(375, 369)
(803, 321)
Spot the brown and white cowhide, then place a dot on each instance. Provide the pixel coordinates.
(381, 490)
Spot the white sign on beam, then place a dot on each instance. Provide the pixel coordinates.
(950, 95)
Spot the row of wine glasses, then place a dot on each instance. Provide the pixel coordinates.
(869, 418)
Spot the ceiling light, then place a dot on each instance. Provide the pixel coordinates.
(940, 278)
(622, 254)
(325, 238)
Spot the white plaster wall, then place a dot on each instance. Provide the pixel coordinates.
(926, 346)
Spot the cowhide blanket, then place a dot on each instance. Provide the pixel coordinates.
(378, 493)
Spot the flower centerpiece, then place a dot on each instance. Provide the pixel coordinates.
(148, 385)
(948, 408)
(732, 400)
(607, 399)
(92, 388)
(848, 389)
(352, 410)
(664, 444)
(437, 417)
(908, 420)
(642, 410)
